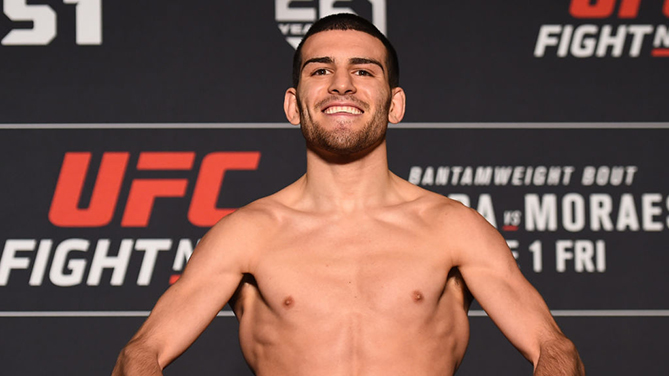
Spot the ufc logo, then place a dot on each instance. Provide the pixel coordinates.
(65, 210)
(606, 8)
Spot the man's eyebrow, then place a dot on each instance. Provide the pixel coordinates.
(353, 61)
(364, 60)
(324, 60)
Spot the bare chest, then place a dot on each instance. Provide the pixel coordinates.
(370, 268)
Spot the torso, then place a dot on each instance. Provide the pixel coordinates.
(364, 294)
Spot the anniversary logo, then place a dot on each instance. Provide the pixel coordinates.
(294, 17)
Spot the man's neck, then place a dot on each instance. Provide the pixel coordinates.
(347, 184)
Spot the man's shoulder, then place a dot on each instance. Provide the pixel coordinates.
(263, 215)
(435, 206)
(257, 214)
(243, 231)
(448, 217)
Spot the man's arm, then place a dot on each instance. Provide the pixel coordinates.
(493, 277)
(187, 307)
(559, 358)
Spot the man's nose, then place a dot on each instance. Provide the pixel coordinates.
(342, 83)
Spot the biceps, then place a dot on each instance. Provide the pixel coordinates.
(514, 306)
(183, 312)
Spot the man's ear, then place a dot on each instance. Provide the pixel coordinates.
(290, 106)
(397, 105)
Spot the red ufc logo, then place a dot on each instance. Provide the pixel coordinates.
(65, 211)
(605, 8)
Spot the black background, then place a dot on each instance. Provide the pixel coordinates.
(205, 63)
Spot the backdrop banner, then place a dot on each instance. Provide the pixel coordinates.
(128, 128)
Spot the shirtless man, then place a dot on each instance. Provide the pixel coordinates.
(351, 270)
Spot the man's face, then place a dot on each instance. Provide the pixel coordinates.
(343, 97)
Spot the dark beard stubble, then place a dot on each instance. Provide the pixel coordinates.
(344, 141)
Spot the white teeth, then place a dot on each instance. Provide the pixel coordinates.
(344, 109)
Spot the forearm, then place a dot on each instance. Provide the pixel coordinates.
(135, 361)
(559, 358)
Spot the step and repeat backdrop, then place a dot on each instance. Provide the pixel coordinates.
(128, 128)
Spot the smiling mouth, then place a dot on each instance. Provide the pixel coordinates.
(343, 110)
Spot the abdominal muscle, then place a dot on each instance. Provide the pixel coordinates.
(336, 333)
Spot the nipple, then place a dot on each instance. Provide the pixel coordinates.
(417, 296)
(288, 302)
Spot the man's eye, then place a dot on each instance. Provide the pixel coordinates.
(319, 72)
(362, 72)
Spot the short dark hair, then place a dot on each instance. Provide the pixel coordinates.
(349, 21)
